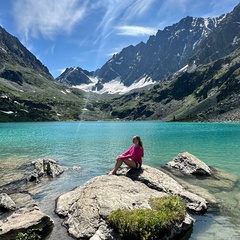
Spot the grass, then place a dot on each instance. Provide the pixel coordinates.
(149, 224)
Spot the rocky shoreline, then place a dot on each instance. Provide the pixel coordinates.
(84, 210)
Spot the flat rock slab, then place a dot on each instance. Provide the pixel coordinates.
(22, 220)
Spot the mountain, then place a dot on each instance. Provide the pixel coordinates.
(162, 55)
(198, 40)
(222, 41)
(209, 92)
(28, 92)
(75, 76)
(14, 53)
(194, 66)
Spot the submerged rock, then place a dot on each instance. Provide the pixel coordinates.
(189, 164)
(22, 220)
(86, 208)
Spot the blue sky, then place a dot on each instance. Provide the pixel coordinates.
(85, 33)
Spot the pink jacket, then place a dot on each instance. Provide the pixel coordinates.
(135, 153)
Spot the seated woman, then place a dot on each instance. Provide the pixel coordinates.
(132, 157)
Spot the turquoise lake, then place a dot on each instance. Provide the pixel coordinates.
(93, 146)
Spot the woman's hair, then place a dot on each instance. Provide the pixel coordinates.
(140, 143)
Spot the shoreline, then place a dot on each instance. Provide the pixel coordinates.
(46, 202)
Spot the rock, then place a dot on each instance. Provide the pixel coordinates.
(43, 167)
(6, 203)
(160, 181)
(52, 168)
(193, 185)
(189, 164)
(86, 208)
(222, 180)
(105, 233)
(23, 200)
(23, 219)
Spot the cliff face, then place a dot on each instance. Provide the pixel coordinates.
(222, 41)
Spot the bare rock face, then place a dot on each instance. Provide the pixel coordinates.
(6, 203)
(23, 219)
(86, 208)
(189, 164)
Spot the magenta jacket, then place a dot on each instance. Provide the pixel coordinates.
(135, 153)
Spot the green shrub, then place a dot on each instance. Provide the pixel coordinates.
(149, 224)
(29, 235)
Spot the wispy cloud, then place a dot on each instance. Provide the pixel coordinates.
(47, 17)
(135, 30)
(210, 8)
(123, 11)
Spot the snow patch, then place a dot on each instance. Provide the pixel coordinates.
(235, 41)
(7, 112)
(3, 49)
(115, 86)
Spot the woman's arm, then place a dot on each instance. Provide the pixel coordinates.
(126, 154)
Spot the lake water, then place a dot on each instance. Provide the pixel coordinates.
(93, 146)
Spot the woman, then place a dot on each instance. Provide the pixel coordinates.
(132, 157)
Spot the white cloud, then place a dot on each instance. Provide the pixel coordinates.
(123, 11)
(47, 17)
(136, 30)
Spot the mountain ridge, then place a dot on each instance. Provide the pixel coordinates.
(200, 90)
(191, 40)
(163, 54)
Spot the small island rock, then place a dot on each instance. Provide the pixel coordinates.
(189, 164)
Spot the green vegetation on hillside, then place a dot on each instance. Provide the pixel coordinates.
(198, 94)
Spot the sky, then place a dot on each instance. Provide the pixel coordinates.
(86, 33)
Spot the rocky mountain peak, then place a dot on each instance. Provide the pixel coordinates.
(75, 76)
(192, 39)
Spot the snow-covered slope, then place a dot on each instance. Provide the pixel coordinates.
(115, 86)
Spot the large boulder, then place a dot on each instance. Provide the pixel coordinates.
(22, 220)
(189, 164)
(6, 203)
(86, 208)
